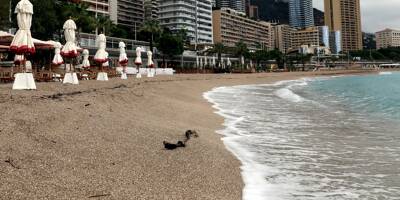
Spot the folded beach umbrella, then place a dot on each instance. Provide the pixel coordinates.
(150, 64)
(201, 62)
(85, 62)
(22, 44)
(228, 62)
(57, 60)
(197, 61)
(69, 50)
(123, 58)
(101, 56)
(205, 61)
(138, 61)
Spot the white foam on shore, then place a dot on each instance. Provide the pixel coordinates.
(254, 174)
(289, 95)
(385, 73)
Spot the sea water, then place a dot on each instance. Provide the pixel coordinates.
(319, 138)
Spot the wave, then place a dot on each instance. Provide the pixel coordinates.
(385, 73)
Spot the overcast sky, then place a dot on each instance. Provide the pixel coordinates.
(376, 14)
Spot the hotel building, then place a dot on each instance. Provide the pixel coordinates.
(344, 16)
(230, 27)
(184, 14)
(387, 38)
(283, 37)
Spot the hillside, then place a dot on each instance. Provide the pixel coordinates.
(278, 11)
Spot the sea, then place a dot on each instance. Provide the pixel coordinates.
(315, 138)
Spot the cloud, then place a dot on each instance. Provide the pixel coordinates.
(376, 15)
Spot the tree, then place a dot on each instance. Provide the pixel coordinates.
(241, 50)
(218, 49)
(153, 28)
(4, 14)
(170, 45)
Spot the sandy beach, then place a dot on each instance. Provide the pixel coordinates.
(103, 140)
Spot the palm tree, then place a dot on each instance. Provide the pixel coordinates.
(241, 50)
(219, 49)
(153, 28)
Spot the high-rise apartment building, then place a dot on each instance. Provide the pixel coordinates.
(387, 38)
(193, 15)
(238, 5)
(151, 9)
(301, 13)
(230, 27)
(344, 16)
(123, 12)
(127, 13)
(98, 7)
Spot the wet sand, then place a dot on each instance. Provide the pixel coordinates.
(103, 140)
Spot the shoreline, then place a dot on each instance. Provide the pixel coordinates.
(105, 138)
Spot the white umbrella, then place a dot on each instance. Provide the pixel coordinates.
(123, 58)
(57, 60)
(228, 62)
(197, 61)
(85, 62)
(205, 61)
(69, 50)
(150, 64)
(138, 60)
(242, 60)
(201, 62)
(101, 56)
(22, 43)
(222, 63)
(251, 64)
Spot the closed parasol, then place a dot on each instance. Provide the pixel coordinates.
(57, 60)
(85, 62)
(69, 50)
(101, 54)
(123, 58)
(23, 42)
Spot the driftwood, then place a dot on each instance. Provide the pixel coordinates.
(99, 195)
(11, 162)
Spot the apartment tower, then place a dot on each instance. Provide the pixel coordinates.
(184, 14)
(301, 13)
(344, 16)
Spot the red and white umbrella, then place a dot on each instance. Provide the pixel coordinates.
(69, 50)
(101, 54)
(85, 62)
(57, 60)
(123, 58)
(106, 64)
(22, 42)
(150, 62)
(138, 60)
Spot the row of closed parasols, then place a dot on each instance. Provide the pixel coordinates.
(23, 45)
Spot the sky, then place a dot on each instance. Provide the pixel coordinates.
(376, 15)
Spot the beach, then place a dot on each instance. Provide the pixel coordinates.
(104, 139)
